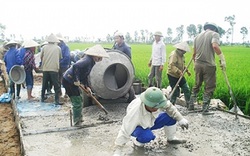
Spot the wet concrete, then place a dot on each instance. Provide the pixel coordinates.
(46, 131)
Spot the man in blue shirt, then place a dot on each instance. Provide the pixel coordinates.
(65, 61)
(126, 49)
(78, 74)
(12, 58)
(121, 45)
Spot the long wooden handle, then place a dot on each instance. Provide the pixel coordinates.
(230, 92)
(92, 97)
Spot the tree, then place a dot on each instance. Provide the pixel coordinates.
(2, 33)
(136, 36)
(180, 32)
(142, 36)
(244, 32)
(109, 38)
(151, 37)
(199, 27)
(191, 31)
(231, 21)
(228, 33)
(128, 37)
(169, 35)
(221, 31)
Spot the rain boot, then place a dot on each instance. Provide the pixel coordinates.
(57, 102)
(205, 106)
(192, 101)
(170, 132)
(175, 95)
(77, 109)
(186, 91)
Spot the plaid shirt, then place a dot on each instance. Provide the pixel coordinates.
(29, 60)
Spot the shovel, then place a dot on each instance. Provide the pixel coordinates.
(231, 93)
(93, 97)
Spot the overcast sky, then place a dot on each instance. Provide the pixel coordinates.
(101, 17)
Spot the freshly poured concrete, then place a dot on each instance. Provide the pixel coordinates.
(46, 131)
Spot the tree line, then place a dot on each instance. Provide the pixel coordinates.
(145, 36)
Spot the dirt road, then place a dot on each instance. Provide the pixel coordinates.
(9, 139)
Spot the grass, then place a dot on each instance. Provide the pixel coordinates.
(238, 71)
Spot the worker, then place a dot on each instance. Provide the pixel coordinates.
(146, 113)
(157, 60)
(78, 74)
(206, 44)
(176, 66)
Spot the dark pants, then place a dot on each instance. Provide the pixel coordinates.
(155, 72)
(12, 88)
(53, 76)
(29, 79)
(71, 89)
(183, 85)
(206, 74)
(61, 72)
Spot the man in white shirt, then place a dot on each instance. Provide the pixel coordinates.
(157, 61)
(149, 112)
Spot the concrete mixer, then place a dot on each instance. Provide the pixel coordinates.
(112, 78)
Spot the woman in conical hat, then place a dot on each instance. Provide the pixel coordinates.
(78, 74)
(176, 66)
(29, 65)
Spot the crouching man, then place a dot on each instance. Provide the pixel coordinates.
(149, 112)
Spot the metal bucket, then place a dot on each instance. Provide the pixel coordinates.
(137, 88)
(113, 77)
(17, 74)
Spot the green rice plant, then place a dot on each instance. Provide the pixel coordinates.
(237, 70)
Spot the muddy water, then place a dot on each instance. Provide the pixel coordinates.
(46, 131)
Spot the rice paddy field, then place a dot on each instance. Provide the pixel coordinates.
(237, 63)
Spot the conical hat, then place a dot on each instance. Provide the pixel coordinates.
(60, 37)
(30, 43)
(52, 38)
(97, 50)
(44, 43)
(183, 46)
(11, 42)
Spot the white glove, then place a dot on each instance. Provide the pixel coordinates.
(183, 123)
(222, 61)
(77, 83)
(118, 150)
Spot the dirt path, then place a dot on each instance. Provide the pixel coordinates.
(9, 137)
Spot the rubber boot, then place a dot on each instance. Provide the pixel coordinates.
(175, 95)
(191, 102)
(170, 132)
(186, 91)
(205, 106)
(77, 109)
(57, 102)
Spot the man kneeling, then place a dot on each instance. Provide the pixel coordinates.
(149, 112)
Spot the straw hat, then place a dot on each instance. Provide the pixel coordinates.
(30, 43)
(52, 38)
(97, 50)
(11, 42)
(210, 24)
(153, 97)
(158, 33)
(60, 37)
(182, 46)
